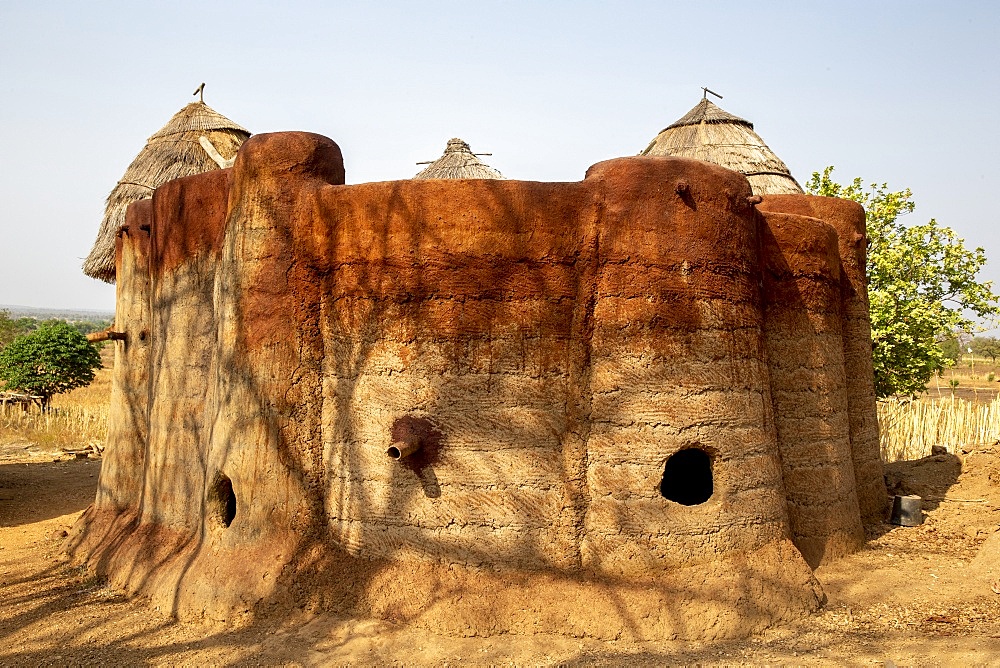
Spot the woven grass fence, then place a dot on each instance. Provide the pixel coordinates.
(76, 427)
(908, 429)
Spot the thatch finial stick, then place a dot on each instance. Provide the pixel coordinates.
(704, 95)
(200, 92)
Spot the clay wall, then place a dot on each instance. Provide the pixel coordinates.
(189, 216)
(678, 362)
(476, 306)
(457, 304)
(848, 219)
(803, 326)
(589, 368)
(123, 470)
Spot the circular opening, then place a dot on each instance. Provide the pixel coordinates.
(223, 501)
(394, 452)
(687, 477)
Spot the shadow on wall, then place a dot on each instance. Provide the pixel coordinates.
(583, 367)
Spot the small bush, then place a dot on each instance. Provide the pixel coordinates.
(52, 359)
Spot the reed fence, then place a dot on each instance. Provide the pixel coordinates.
(68, 427)
(908, 428)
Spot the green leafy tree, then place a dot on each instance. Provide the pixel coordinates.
(25, 325)
(951, 348)
(52, 359)
(986, 346)
(922, 285)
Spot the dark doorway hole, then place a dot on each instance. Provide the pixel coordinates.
(687, 477)
(223, 500)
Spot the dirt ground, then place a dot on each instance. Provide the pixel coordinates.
(915, 596)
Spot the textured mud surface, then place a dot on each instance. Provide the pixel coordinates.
(564, 344)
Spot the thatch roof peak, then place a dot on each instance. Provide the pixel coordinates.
(712, 134)
(456, 144)
(707, 111)
(197, 116)
(458, 162)
(196, 139)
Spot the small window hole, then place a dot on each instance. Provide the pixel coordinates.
(687, 477)
(223, 501)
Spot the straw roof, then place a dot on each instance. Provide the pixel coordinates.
(174, 151)
(714, 135)
(458, 162)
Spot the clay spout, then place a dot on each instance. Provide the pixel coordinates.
(401, 449)
(410, 434)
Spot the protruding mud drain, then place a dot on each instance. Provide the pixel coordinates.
(222, 501)
(687, 477)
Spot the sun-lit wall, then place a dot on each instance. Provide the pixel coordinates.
(634, 384)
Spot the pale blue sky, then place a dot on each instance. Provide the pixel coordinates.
(902, 92)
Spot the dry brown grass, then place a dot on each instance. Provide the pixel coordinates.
(78, 419)
(972, 378)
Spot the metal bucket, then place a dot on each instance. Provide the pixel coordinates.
(906, 511)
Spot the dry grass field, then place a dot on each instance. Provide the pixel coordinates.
(78, 419)
(972, 378)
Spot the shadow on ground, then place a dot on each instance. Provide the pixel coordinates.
(34, 492)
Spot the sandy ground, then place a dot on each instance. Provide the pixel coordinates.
(923, 596)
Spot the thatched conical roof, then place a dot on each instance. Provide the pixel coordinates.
(174, 151)
(714, 135)
(458, 162)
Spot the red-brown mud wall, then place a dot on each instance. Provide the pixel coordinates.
(678, 362)
(801, 284)
(459, 304)
(189, 217)
(848, 219)
(557, 344)
(474, 306)
(155, 463)
(124, 460)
